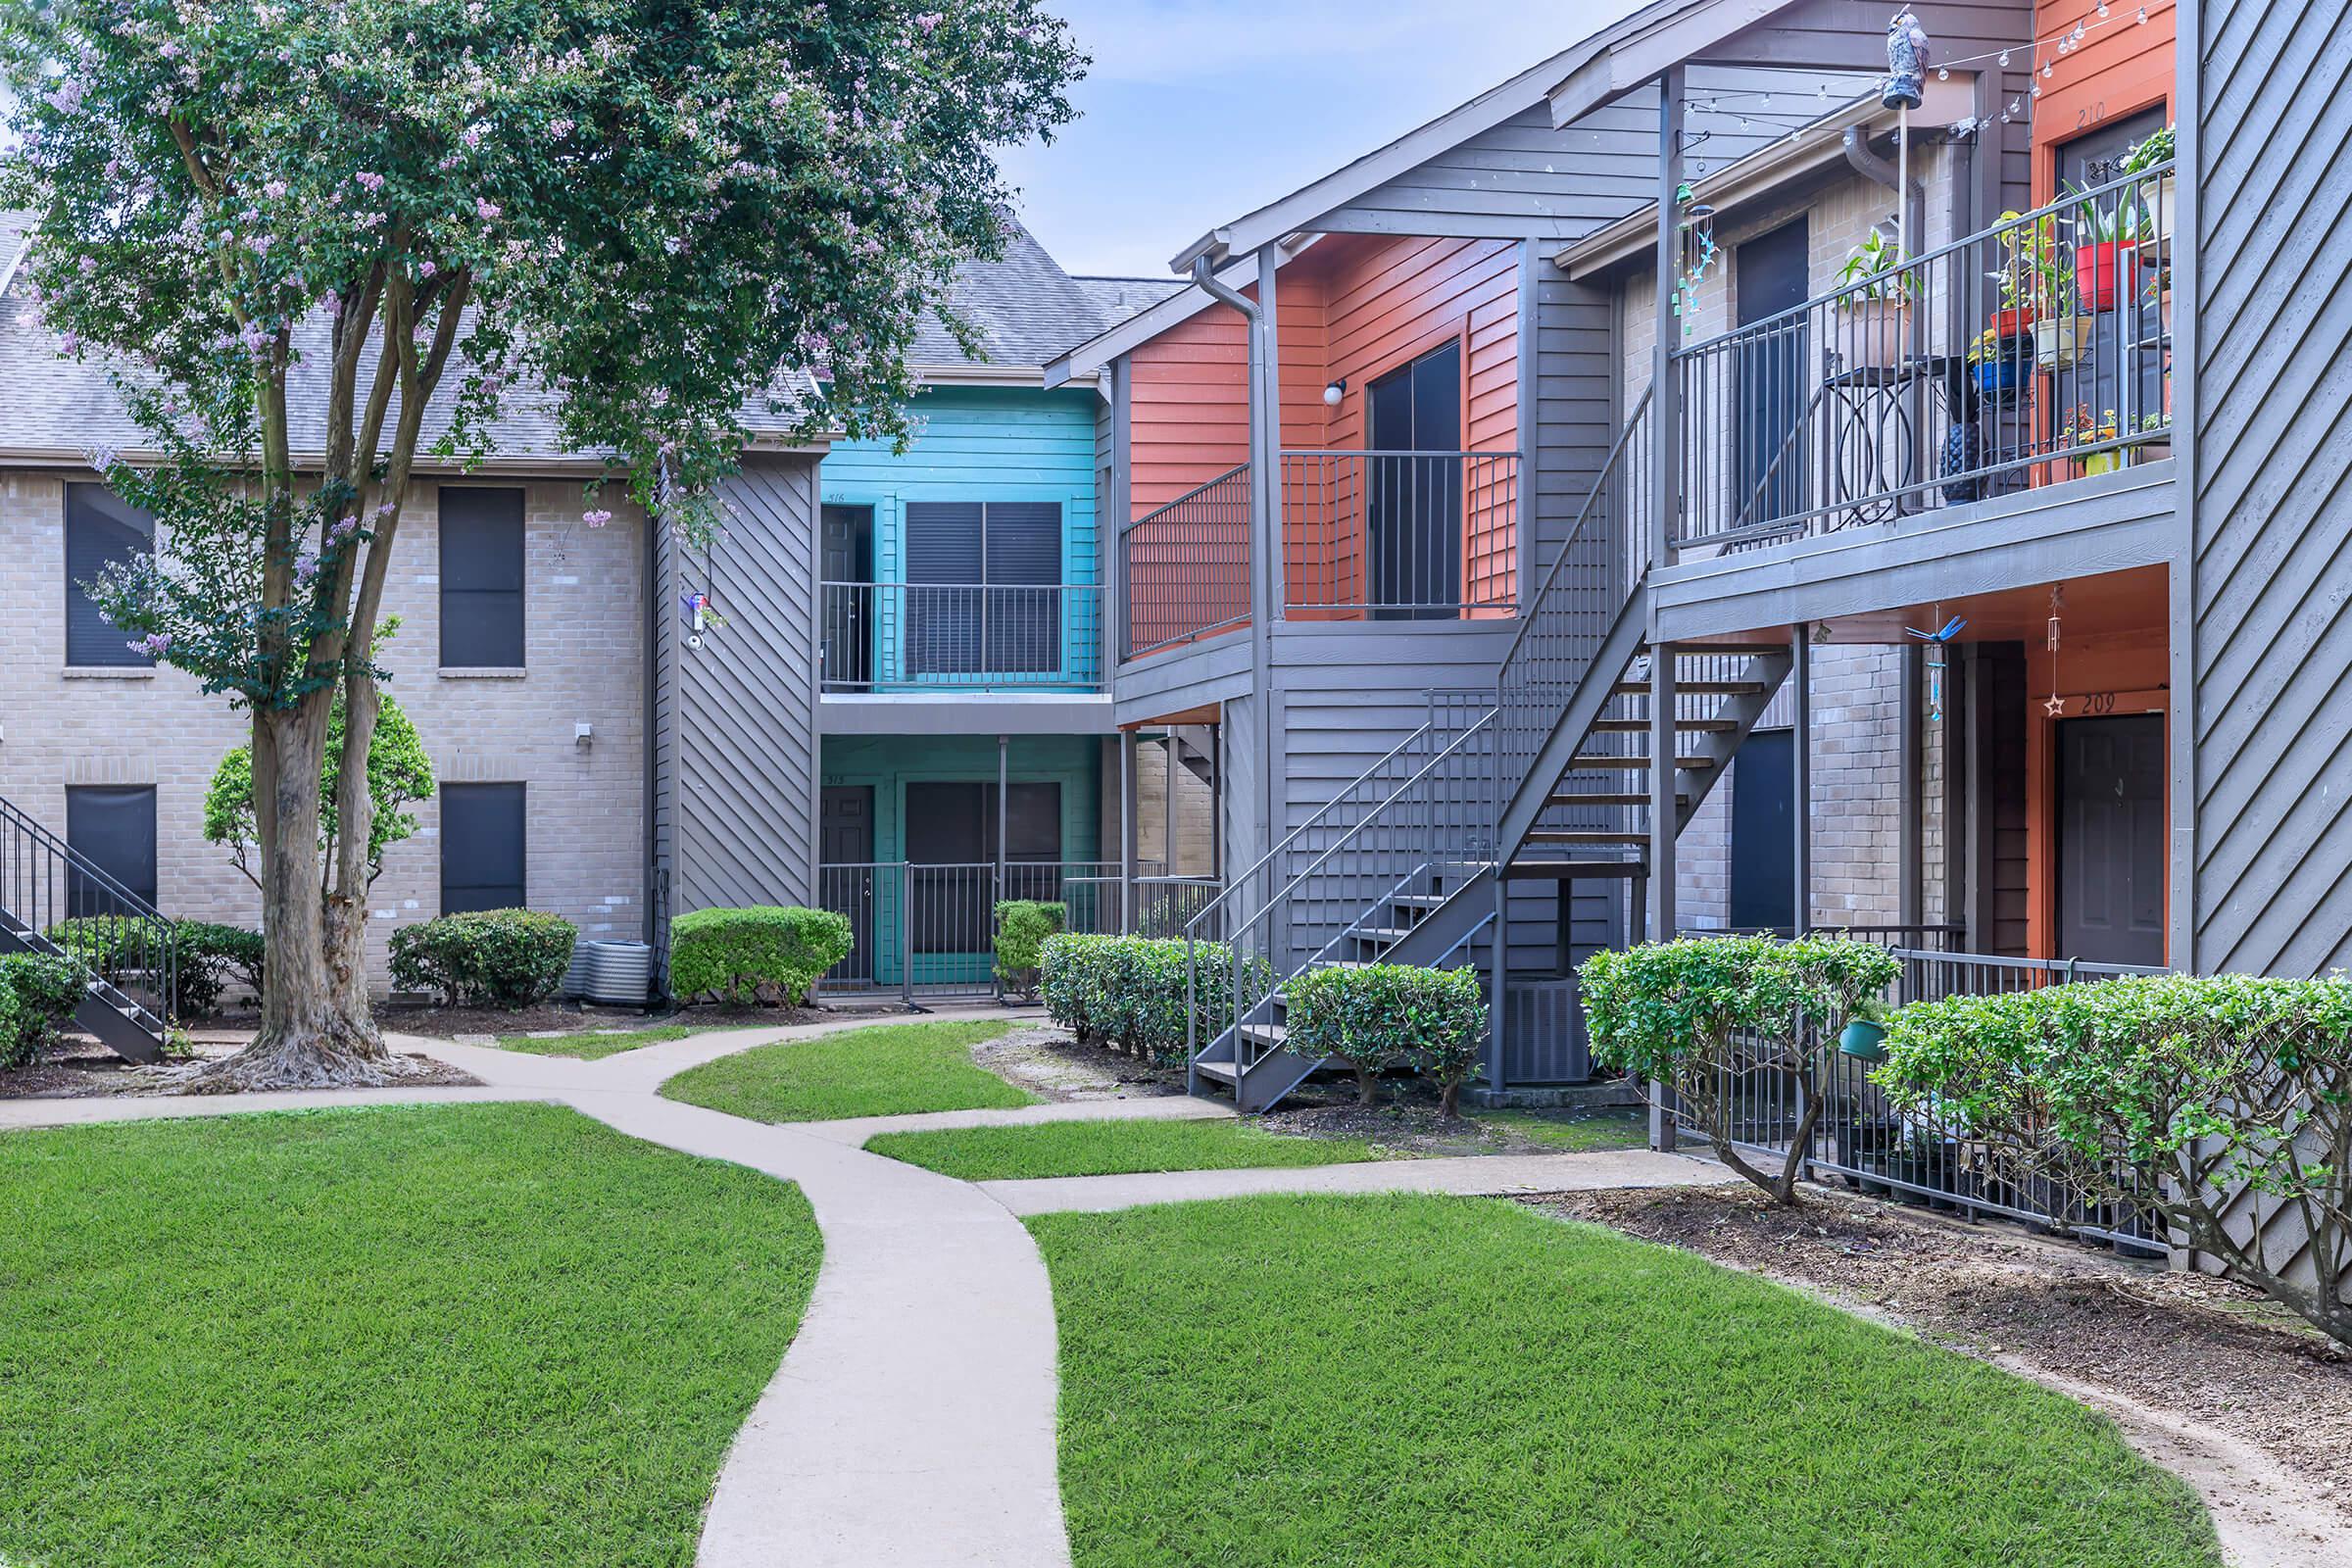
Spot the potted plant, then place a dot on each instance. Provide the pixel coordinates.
(2081, 430)
(2039, 291)
(1876, 299)
(2160, 425)
(1864, 1037)
(1998, 363)
(2139, 159)
(2107, 237)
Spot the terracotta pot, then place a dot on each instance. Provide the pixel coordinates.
(2013, 322)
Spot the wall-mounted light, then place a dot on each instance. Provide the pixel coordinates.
(1336, 391)
(583, 733)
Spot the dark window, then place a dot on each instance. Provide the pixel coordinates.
(1764, 831)
(1414, 509)
(988, 598)
(482, 578)
(101, 531)
(951, 842)
(1771, 370)
(482, 847)
(113, 828)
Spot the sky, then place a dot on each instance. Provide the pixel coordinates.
(1198, 111)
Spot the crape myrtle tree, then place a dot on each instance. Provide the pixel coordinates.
(641, 216)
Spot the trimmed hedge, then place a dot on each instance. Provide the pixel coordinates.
(763, 954)
(1130, 991)
(209, 957)
(1384, 1015)
(39, 991)
(1022, 927)
(509, 957)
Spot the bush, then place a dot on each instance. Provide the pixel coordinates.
(1022, 926)
(1130, 991)
(37, 992)
(1390, 1015)
(763, 953)
(226, 953)
(510, 957)
(2173, 1097)
(1700, 1015)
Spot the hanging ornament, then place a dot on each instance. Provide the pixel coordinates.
(2056, 706)
(2046, 69)
(1906, 62)
(2102, 9)
(1944, 73)
(2004, 57)
(1935, 640)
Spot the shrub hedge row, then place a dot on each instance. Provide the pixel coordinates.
(508, 957)
(763, 954)
(37, 992)
(1384, 1015)
(210, 957)
(1129, 992)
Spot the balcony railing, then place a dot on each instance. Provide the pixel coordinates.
(2034, 352)
(1399, 535)
(1187, 566)
(931, 930)
(912, 637)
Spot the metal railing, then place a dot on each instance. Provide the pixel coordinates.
(1927, 1158)
(1399, 535)
(1187, 566)
(928, 931)
(897, 636)
(1418, 818)
(54, 899)
(1165, 904)
(2033, 352)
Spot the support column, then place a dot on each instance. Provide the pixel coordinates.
(1498, 977)
(1664, 748)
(1216, 801)
(1167, 810)
(1801, 649)
(1266, 406)
(1665, 401)
(1126, 832)
(1911, 892)
(1004, 757)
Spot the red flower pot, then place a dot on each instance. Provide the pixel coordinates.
(2015, 323)
(2098, 270)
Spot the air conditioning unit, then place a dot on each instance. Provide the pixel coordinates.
(617, 974)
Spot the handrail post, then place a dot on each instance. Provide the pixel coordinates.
(906, 934)
(1665, 400)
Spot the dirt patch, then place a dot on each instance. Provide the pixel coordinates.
(2176, 1348)
(1050, 1061)
(78, 1067)
(1404, 1129)
(567, 1017)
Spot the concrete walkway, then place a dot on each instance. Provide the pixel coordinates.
(913, 1421)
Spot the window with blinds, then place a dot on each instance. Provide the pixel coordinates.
(482, 578)
(102, 530)
(483, 852)
(984, 591)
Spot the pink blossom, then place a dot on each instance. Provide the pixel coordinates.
(485, 209)
(154, 643)
(68, 343)
(561, 128)
(369, 182)
(273, 188)
(305, 568)
(344, 528)
(425, 270)
(929, 22)
(595, 516)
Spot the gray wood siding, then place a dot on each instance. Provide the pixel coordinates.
(2268, 577)
(742, 806)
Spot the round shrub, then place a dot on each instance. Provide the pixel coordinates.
(38, 992)
(1022, 927)
(212, 957)
(508, 957)
(1390, 1015)
(766, 953)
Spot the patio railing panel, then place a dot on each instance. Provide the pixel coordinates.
(1187, 566)
(913, 637)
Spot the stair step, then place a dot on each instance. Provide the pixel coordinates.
(1584, 835)
(1270, 1033)
(1641, 726)
(1585, 762)
(1223, 1072)
(1418, 900)
(1699, 688)
(1609, 798)
(1568, 870)
(1390, 935)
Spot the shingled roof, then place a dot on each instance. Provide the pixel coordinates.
(1028, 310)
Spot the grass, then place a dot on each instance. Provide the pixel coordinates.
(468, 1336)
(1420, 1382)
(886, 1070)
(1114, 1149)
(1574, 1133)
(595, 1045)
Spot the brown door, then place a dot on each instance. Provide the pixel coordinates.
(845, 849)
(2111, 839)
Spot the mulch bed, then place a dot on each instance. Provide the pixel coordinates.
(2197, 1346)
(573, 1017)
(77, 1067)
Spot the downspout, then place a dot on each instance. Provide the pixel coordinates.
(1882, 170)
(1261, 542)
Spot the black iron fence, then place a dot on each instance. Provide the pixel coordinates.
(1187, 566)
(2033, 352)
(1399, 535)
(897, 636)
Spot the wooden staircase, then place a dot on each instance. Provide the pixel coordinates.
(126, 965)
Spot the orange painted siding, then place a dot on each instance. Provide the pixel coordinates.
(1353, 307)
(2121, 67)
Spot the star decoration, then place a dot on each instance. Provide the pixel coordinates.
(2055, 707)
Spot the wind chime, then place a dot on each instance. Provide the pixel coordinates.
(1936, 641)
(1699, 251)
(2056, 706)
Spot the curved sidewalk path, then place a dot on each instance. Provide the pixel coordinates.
(911, 1423)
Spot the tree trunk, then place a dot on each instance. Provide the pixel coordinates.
(1450, 1102)
(309, 1038)
(1367, 1085)
(344, 927)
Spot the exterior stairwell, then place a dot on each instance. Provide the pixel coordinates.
(1546, 777)
(127, 961)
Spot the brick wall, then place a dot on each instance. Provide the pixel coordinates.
(584, 663)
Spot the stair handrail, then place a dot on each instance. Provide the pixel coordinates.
(156, 953)
(1241, 1007)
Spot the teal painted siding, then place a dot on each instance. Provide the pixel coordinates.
(888, 764)
(982, 443)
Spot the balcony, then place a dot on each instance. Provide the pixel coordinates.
(2027, 355)
(1366, 535)
(899, 637)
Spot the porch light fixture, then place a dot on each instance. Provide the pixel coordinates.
(1333, 392)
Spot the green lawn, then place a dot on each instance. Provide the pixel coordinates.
(887, 1070)
(467, 1337)
(1574, 1132)
(595, 1045)
(1421, 1382)
(1112, 1149)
